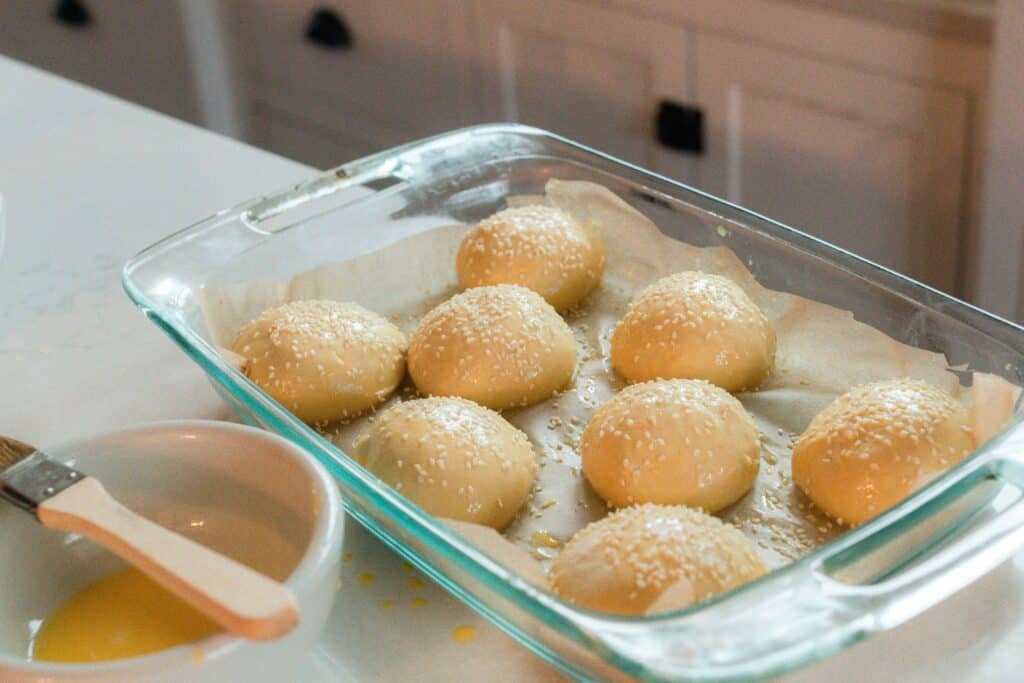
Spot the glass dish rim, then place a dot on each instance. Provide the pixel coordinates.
(539, 603)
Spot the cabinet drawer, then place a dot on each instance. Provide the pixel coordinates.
(135, 50)
(305, 131)
(405, 66)
(281, 134)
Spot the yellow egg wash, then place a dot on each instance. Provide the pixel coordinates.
(125, 614)
(463, 633)
(544, 539)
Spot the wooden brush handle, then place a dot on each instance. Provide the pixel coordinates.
(241, 600)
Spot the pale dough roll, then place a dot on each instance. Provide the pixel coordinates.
(876, 444)
(623, 563)
(323, 360)
(539, 247)
(451, 457)
(694, 325)
(678, 441)
(501, 346)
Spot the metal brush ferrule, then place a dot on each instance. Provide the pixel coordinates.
(30, 482)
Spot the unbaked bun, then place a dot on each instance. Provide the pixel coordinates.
(876, 444)
(694, 325)
(623, 563)
(323, 360)
(539, 247)
(679, 441)
(451, 457)
(500, 346)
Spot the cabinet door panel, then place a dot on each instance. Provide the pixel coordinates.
(310, 132)
(872, 164)
(296, 139)
(406, 66)
(135, 50)
(591, 74)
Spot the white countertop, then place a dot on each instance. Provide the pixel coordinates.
(88, 181)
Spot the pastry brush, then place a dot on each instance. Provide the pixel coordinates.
(238, 598)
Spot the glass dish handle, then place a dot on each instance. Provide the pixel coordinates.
(990, 529)
(879, 576)
(352, 180)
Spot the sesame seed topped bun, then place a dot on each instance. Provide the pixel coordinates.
(678, 441)
(625, 562)
(452, 457)
(876, 444)
(694, 325)
(323, 360)
(501, 346)
(539, 247)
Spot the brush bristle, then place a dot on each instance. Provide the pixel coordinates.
(13, 451)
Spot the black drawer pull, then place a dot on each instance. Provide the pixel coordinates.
(72, 13)
(679, 126)
(328, 30)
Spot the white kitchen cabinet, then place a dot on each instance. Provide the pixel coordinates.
(402, 74)
(135, 50)
(295, 138)
(871, 163)
(592, 74)
(303, 135)
(817, 135)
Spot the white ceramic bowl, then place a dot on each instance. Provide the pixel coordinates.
(247, 493)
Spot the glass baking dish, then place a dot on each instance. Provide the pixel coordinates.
(869, 579)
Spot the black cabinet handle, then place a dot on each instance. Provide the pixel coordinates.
(72, 13)
(680, 126)
(328, 30)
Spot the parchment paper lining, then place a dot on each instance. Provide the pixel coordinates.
(822, 352)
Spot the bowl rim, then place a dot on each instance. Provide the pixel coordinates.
(324, 544)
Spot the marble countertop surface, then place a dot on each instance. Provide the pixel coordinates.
(88, 181)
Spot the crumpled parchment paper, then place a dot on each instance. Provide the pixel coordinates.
(822, 352)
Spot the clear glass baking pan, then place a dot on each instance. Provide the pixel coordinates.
(870, 579)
